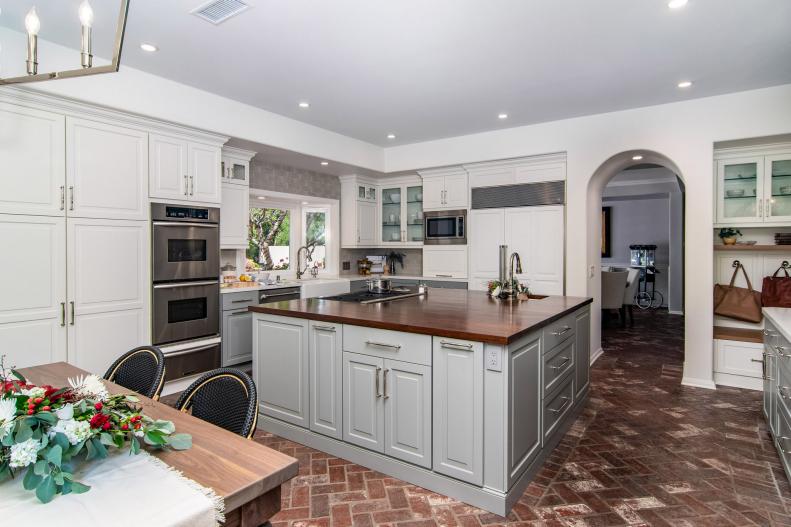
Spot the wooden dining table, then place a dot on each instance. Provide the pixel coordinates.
(247, 475)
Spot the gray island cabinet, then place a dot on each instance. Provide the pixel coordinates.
(467, 405)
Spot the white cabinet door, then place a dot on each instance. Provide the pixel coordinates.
(204, 172)
(234, 216)
(33, 285)
(445, 261)
(456, 193)
(406, 389)
(363, 407)
(740, 191)
(777, 188)
(32, 147)
(282, 379)
(366, 224)
(106, 171)
(326, 379)
(458, 409)
(167, 172)
(236, 171)
(537, 234)
(237, 337)
(109, 290)
(486, 230)
(433, 192)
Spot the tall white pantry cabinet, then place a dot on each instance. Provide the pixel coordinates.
(75, 236)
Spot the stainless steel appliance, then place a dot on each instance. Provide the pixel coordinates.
(446, 227)
(185, 256)
(366, 297)
(279, 295)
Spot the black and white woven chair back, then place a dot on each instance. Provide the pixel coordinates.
(224, 397)
(141, 370)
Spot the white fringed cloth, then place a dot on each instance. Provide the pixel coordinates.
(125, 490)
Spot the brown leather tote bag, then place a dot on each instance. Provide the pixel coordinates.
(776, 290)
(737, 302)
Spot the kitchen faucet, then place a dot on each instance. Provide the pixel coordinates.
(300, 273)
(508, 288)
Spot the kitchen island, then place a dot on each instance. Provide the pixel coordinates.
(455, 391)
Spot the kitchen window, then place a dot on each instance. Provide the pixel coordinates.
(315, 236)
(269, 246)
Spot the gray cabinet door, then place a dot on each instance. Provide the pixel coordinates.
(237, 337)
(583, 351)
(363, 402)
(458, 409)
(406, 390)
(326, 377)
(282, 344)
(524, 435)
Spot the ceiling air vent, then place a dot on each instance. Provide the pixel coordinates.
(218, 11)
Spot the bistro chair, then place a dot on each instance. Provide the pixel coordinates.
(224, 397)
(141, 370)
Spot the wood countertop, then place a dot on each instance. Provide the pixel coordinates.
(461, 314)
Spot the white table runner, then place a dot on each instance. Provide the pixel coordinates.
(125, 490)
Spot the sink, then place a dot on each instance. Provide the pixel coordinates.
(313, 287)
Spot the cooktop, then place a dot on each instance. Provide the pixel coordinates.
(366, 297)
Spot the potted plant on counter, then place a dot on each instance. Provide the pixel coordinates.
(728, 235)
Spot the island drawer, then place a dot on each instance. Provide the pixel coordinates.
(558, 331)
(556, 363)
(407, 347)
(557, 405)
(242, 299)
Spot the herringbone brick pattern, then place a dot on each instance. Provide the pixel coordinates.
(646, 451)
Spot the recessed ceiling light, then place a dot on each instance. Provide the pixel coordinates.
(325, 163)
(502, 116)
(261, 197)
(637, 158)
(685, 84)
(145, 46)
(304, 104)
(304, 202)
(391, 136)
(675, 4)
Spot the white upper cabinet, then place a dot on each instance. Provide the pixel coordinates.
(184, 170)
(32, 159)
(366, 224)
(445, 189)
(106, 171)
(236, 165)
(401, 212)
(234, 216)
(533, 169)
(359, 212)
(204, 172)
(487, 233)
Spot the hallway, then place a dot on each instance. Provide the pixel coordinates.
(647, 451)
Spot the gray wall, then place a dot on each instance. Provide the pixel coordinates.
(268, 176)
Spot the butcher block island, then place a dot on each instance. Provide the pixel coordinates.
(453, 391)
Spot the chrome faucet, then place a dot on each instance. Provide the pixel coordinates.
(300, 272)
(508, 288)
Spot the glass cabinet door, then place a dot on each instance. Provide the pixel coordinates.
(740, 192)
(239, 172)
(778, 179)
(414, 214)
(392, 231)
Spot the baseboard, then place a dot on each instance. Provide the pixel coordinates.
(699, 383)
(739, 381)
(596, 354)
(675, 312)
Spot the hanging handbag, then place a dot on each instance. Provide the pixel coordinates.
(738, 303)
(776, 290)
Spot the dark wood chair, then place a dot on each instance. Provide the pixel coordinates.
(141, 370)
(224, 397)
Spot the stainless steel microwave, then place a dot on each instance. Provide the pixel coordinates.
(445, 227)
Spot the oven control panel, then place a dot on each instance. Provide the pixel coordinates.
(187, 213)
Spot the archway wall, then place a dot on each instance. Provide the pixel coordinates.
(682, 132)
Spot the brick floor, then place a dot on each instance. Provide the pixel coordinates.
(646, 451)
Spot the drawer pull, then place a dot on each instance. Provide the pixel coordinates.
(566, 401)
(782, 449)
(780, 351)
(324, 328)
(562, 331)
(455, 345)
(562, 364)
(784, 392)
(242, 301)
(239, 313)
(378, 371)
(383, 345)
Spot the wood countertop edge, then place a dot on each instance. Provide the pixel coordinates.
(503, 340)
(247, 494)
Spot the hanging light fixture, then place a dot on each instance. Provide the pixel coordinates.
(85, 13)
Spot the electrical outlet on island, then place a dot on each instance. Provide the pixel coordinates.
(493, 359)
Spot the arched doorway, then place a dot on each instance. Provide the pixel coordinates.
(613, 166)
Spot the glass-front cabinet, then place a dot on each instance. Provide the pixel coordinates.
(235, 167)
(402, 215)
(778, 172)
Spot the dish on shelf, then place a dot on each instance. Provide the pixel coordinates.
(746, 242)
(734, 193)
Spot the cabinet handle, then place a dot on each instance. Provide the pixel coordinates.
(780, 350)
(63, 314)
(71, 198)
(186, 185)
(62, 197)
(324, 328)
(763, 365)
(378, 370)
(71, 305)
(455, 345)
(768, 208)
(562, 364)
(562, 331)
(782, 448)
(566, 401)
(760, 208)
(383, 345)
(239, 313)
(192, 185)
(242, 301)
(783, 391)
(444, 275)
(384, 384)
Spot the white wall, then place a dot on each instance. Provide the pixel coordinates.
(684, 132)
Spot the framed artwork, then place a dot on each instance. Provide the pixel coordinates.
(606, 225)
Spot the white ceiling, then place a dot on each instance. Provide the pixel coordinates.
(426, 69)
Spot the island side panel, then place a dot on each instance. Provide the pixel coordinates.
(495, 421)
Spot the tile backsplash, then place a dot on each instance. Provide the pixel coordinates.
(413, 259)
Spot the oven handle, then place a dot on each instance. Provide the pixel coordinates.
(264, 295)
(191, 350)
(184, 224)
(185, 284)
